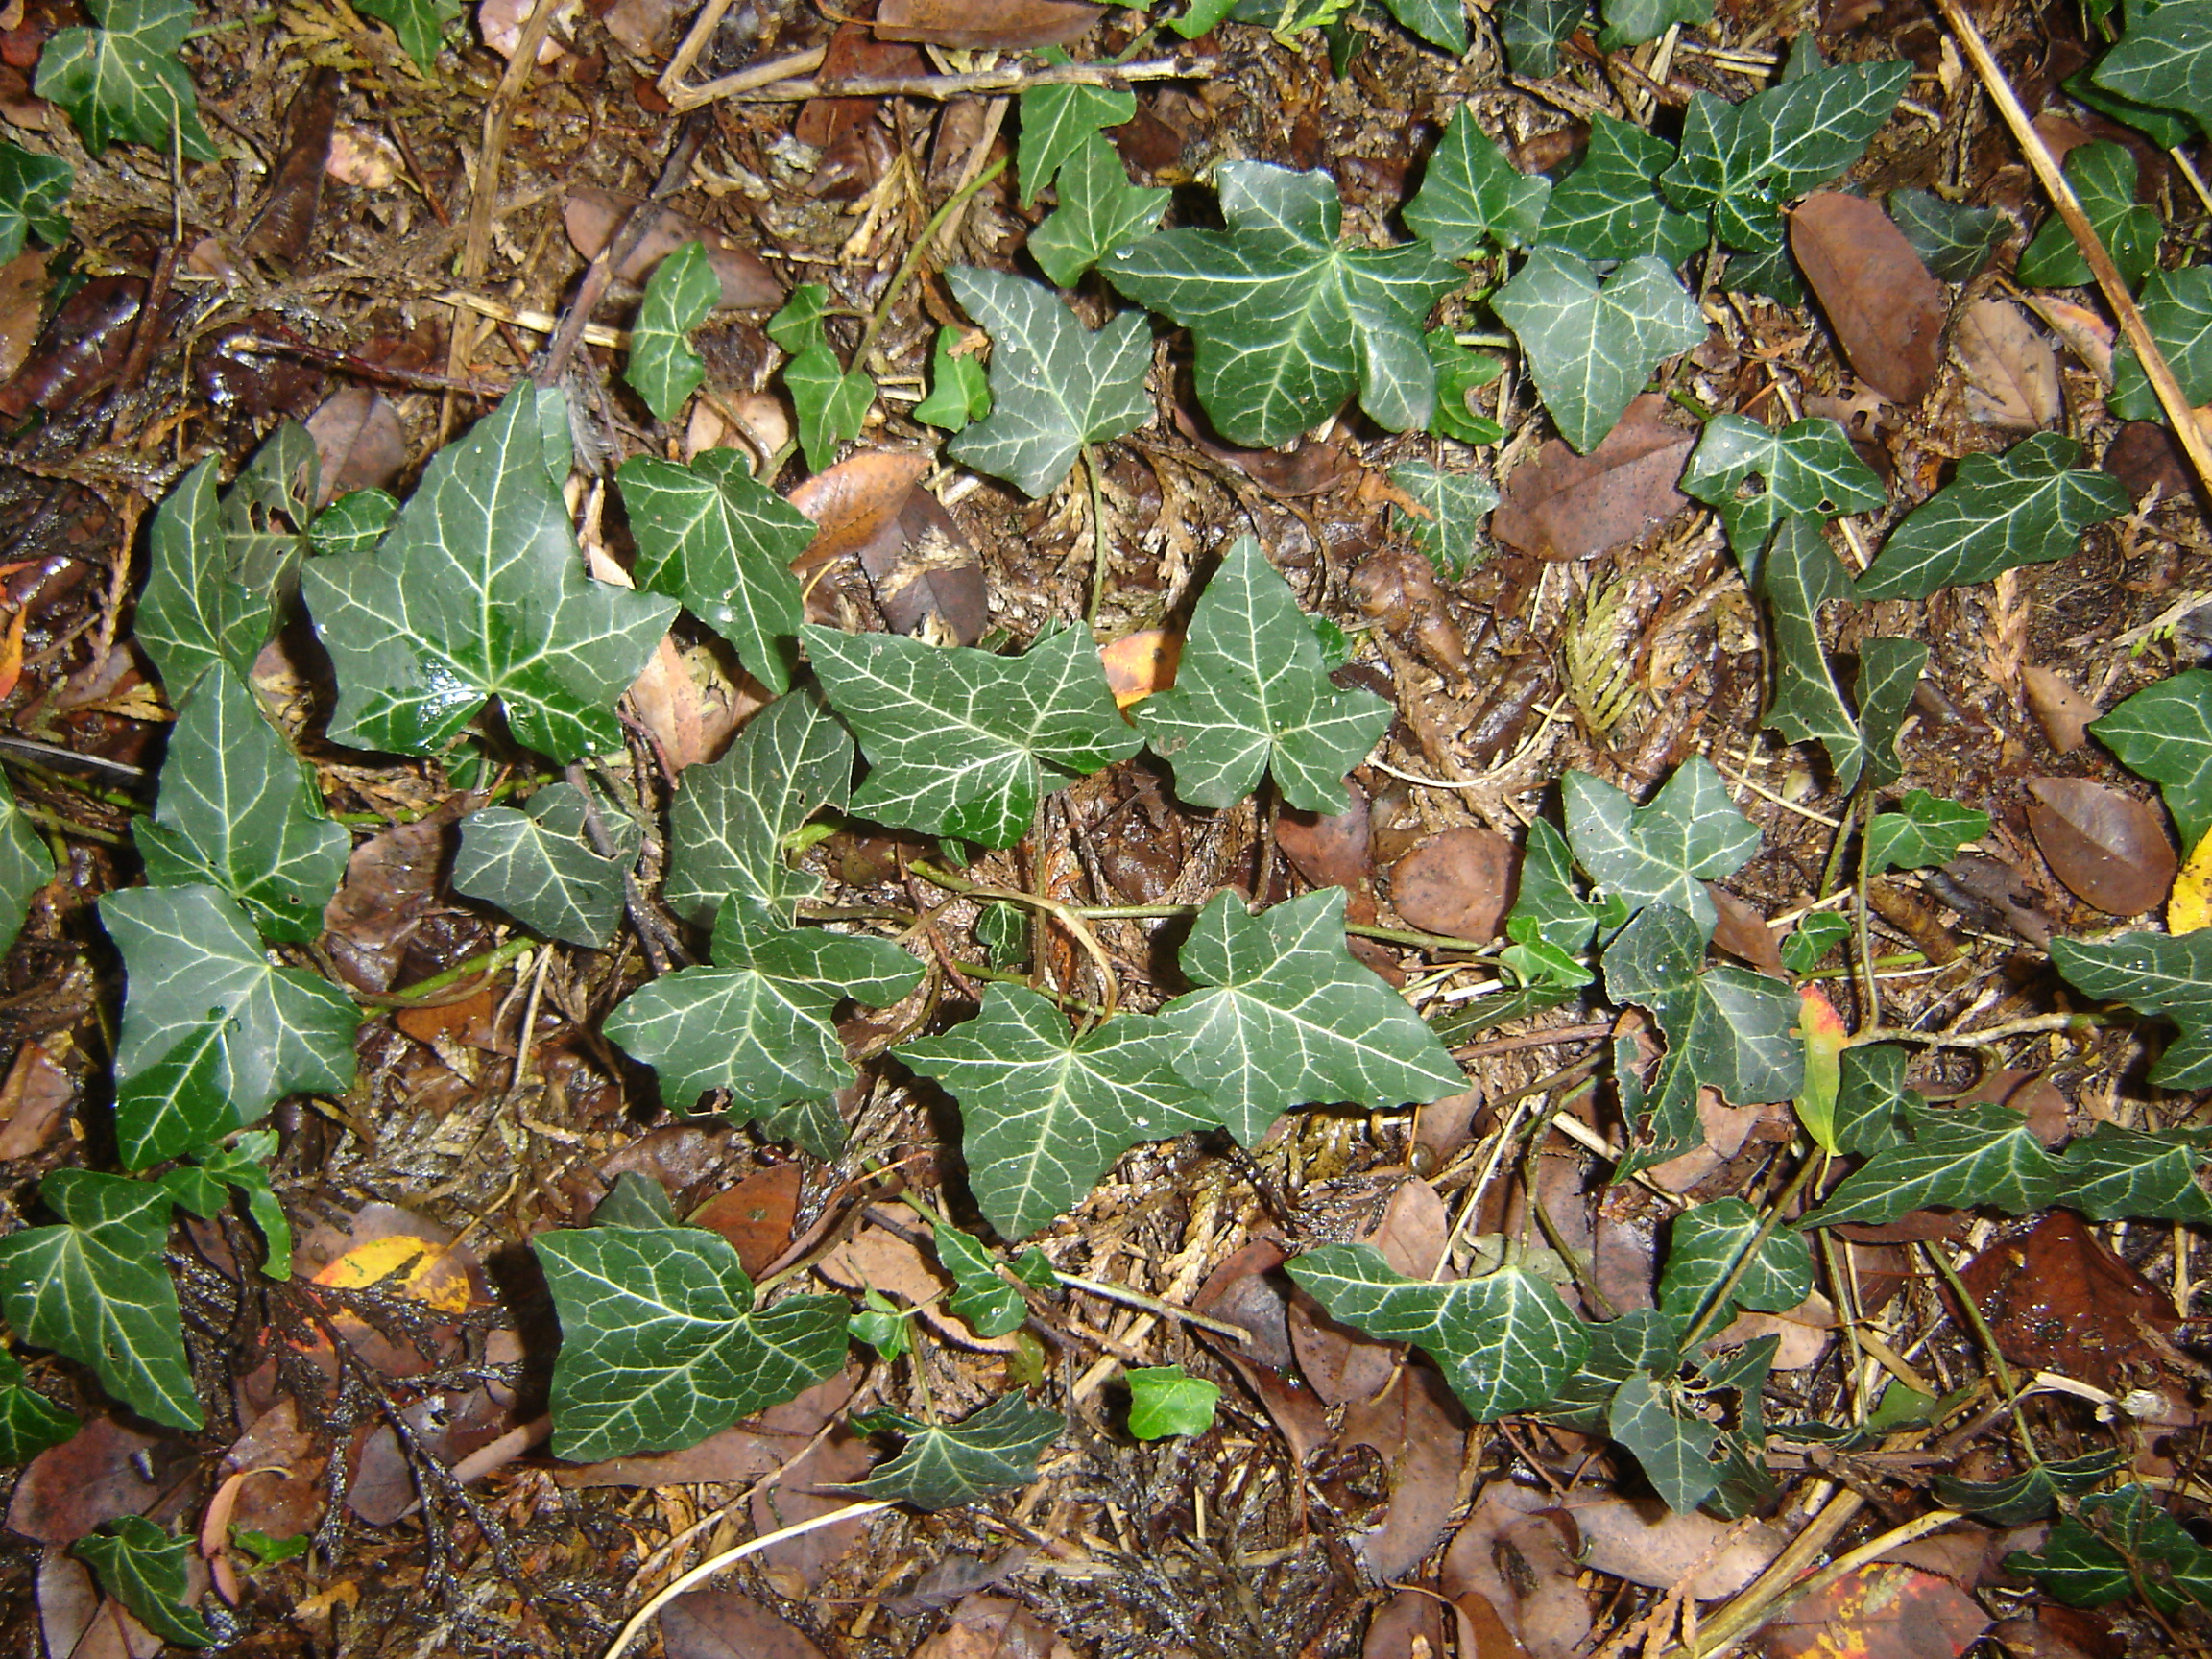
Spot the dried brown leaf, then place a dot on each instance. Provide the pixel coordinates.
(1409, 1625)
(2057, 1298)
(359, 443)
(2063, 712)
(1562, 505)
(1742, 931)
(2011, 372)
(22, 300)
(2110, 849)
(34, 1102)
(102, 1471)
(592, 215)
(1329, 852)
(1886, 311)
(1897, 1612)
(1420, 1431)
(1009, 25)
(726, 1625)
(1515, 1554)
(1461, 883)
(1643, 1541)
(755, 1214)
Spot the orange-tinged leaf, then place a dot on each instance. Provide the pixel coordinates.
(2189, 907)
(1139, 665)
(12, 652)
(429, 1273)
(1822, 1029)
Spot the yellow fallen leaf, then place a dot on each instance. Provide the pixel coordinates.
(2189, 907)
(1139, 665)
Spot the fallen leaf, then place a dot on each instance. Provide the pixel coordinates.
(472, 1022)
(1895, 1612)
(102, 1471)
(1307, 467)
(726, 1624)
(693, 701)
(2063, 712)
(82, 350)
(1562, 505)
(1420, 1431)
(927, 577)
(1461, 883)
(2108, 848)
(877, 1257)
(359, 443)
(2145, 456)
(1807, 1331)
(391, 885)
(22, 300)
(34, 1102)
(1516, 1552)
(1742, 932)
(1643, 1541)
(1409, 1625)
(852, 51)
(1139, 665)
(1328, 850)
(2011, 372)
(643, 27)
(856, 501)
(500, 23)
(2057, 1298)
(807, 1488)
(1886, 311)
(958, 1575)
(992, 1627)
(2028, 1091)
(1010, 25)
(2085, 332)
(285, 225)
(591, 216)
(2188, 909)
(1251, 1290)
(755, 1214)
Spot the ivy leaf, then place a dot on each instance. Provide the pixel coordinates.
(2103, 174)
(1055, 385)
(797, 326)
(479, 592)
(1889, 676)
(2116, 1174)
(1871, 1100)
(1442, 23)
(1286, 1016)
(143, 1566)
(1460, 371)
(1741, 162)
(1704, 1248)
(1609, 208)
(1057, 119)
(757, 1022)
(662, 1343)
(239, 812)
(1664, 852)
(126, 80)
(958, 391)
(1675, 1451)
(26, 866)
(1533, 30)
(33, 188)
(1043, 1113)
(30, 1423)
(1633, 22)
(266, 511)
(1165, 1400)
(713, 537)
(2164, 59)
(2178, 310)
(635, 1201)
(1286, 321)
(243, 1167)
(1799, 575)
(353, 523)
(1924, 829)
(199, 605)
(1252, 697)
(193, 966)
(1642, 1339)
(963, 743)
(2164, 732)
(1456, 503)
(1726, 1028)
(2027, 506)
(539, 865)
(831, 405)
(981, 1299)
(2030, 1495)
(1505, 1343)
(2118, 1544)
(1471, 194)
(731, 817)
(1954, 241)
(1966, 1156)
(96, 1288)
(993, 1450)
(418, 24)
(1591, 347)
(2153, 974)
(1099, 211)
(1808, 468)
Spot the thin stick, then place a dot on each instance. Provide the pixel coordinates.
(1868, 1552)
(1986, 1038)
(2160, 373)
(756, 85)
(1153, 1304)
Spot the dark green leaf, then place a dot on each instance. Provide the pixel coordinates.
(1547, 909)
(1457, 502)
(2164, 732)
(2103, 174)
(1771, 272)
(1812, 938)
(1471, 195)
(1924, 829)
(243, 1166)
(1641, 1340)
(1442, 23)
(1099, 211)
(2178, 309)
(993, 1450)
(1703, 1249)
(143, 1566)
(1460, 371)
(1164, 1400)
(2153, 974)
(1533, 30)
(958, 390)
(1799, 575)
(32, 190)
(1871, 1100)
(1808, 468)
(635, 1201)
(2164, 128)
(2030, 1495)
(28, 1421)
(1889, 676)
(796, 326)
(1003, 931)
(2164, 59)
(1664, 852)
(831, 405)
(539, 866)
(2116, 1174)
(127, 80)
(219, 567)
(1056, 120)
(1966, 1156)
(980, 1298)
(1591, 347)
(1953, 241)
(419, 24)
(731, 817)
(26, 865)
(1675, 1450)
(2118, 1544)
(1633, 22)
(1609, 208)
(353, 523)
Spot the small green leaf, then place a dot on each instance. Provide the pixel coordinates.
(539, 866)
(1798, 574)
(1675, 1450)
(958, 391)
(993, 1450)
(1457, 502)
(1460, 371)
(239, 812)
(1442, 23)
(986, 1301)
(268, 1551)
(1532, 31)
(243, 1166)
(1966, 1156)
(1546, 907)
(2120, 1544)
(1287, 321)
(1643, 1340)
(1099, 211)
(2178, 310)
(1664, 852)
(26, 865)
(1953, 241)
(1812, 938)
(2153, 974)
(881, 1325)
(1286, 1016)
(662, 1343)
(1505, 1343)
(1889, 676)
(1808, 468)
(28, 1421)
(963, 743)
(1252, 697)
(831, 405)
(32, 190)
(1633, 22)
(1471, 195)
(143, 1566)
(1703, 1249)
(797, 327)
(2164, 59)
(1923, 830)
(731, 818)
(1609, 208)
(2027, 506)
(96, 1288)
(713, 537)
(2164, 732)
(353, 523)
(1591, 347)
(2116, 1174)
(2103, 174)
(1055, 385)
(635, 1201)
(1003, 931)
(1165, 1401)
(127, 80)
(419, 24)
(476, 594)
(1057, 119)
(2030, 1495)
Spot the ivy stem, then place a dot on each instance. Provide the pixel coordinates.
(491, 962)
(915, 254)
(1064, 914)
(1986, 1038)
(1863, 935)
(1097, 535)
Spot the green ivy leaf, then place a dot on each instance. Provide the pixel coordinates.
(419, 24)
(1505, 1343)
(1664, 852)
(988, 1305)
(1456, 503)
(239, 812)
(635, 1201)
(1442, 23)
(1460, 371)
(1806, 469)
(218, 566)
(2027, 506)
(713, 537)
(797, 323)
(1633, 22)
(2153, 974)
(1704, 1248)
(127, 80)
(479, 592)
(1471, 195)
(2164, 59)
(1609, 208)
(1055, 385)
(96, 1288)
(28, 1421)
(1954, 241)
(539, 865)
(993, 1450)
(1165, 1401)
(2164, 732)
(1286, 321)
(1547, 908)
(2031, 1494)
(1056, 120)
(757, 1022)
(206, 1007)
(1591, 347)
(731, 818)
(26, 866)
(1043, 1113)
(1799, 575)
(963, 743)
(1642, 1339)
(831, 405)
(1252, 697)
(1099, 211)
(143, 1566)
(662, 1343)
(1286, 1016)
(2116, 1174)
(2103, 174)
(1924, 829)
(2178, 310)
(353, 523)
(243, 1166)
(1871, 1100)
(1741, 162)
(1675, 1452)
(32, 190)
(1533, 30)
(958, 391)
(1889, 676)
(1810, 940)
(662, 368)
(1966, 1156)
(2120, 1544)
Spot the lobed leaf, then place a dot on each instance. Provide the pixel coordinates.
(127, 80)
(2153, 974)
(33, 187)
(992, 1450)
(1591, 346)
(418, 24)
(30, 1423)
(1675, 1450)
(2178, 309)
(1924, 829)
(2164, 59)
(1704, 1248)
(1664, 852)
(1609, 206)
(2103, 174)
(1457, 504)
(539, 866)
(144, 1566)
(1964, 1157)
(1807, 469)
(1099, 211)
(1057, 119)
(1471, 195)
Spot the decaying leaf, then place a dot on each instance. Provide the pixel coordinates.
(1563, 505)
(2011, 372)
(1886, 311)
(2108, 848)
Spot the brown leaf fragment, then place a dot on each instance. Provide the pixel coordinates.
(2109, 849)
(1886, 311)
(1009, 25)
(2057, 1298)
(1409, 1625)
(285, 223)
(856, 501)
(1896, 1612)
(391, 887)
(2031, 1094)
(877, 1257)
(1515, 1556)
(927, 577)
(2144, 457)
(1640, 1539)
(22, 299)
(1742, 932)
(852, 50)
(1419, 1430)
(1250, 1290)
(103, 1470)
(1461, 883)
(728, 1625)
(2063, 712)
(1329, 852)
(82, 350)
(755, 1214)
(1990, 894)
(77, 1621)
(643, 27)
(34, 1102)
(359, 443)
(1308, 466)
(994, 1627)
(592, 216)
(2011, 372)
(1563, 505)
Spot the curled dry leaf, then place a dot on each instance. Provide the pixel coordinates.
(2108, 848)
(1515, 1554)
(359, 443)
(1742, 931)
(2085, 333)
(1640, 1539)
(1398, 587)
(1886, 311)
(856, 501)
(1989, 894)
(1309, 467)
(2063, 712)
(286, 221)
(1563, 505)
(592, 215)
(1461, 883)
(927, 577)
(1141, 664)
(1008, 25)
(82, 350)
(2011, 372)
